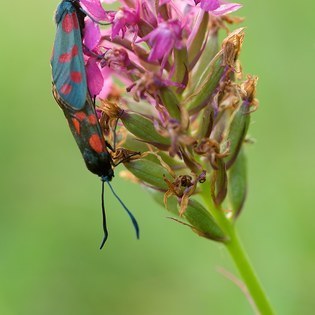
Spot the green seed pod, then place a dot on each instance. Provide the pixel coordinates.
(219, 183)
(195, 42)
(174, 163)
(213, 72)
(209, 51)
(170, 101)
(132, 143)
(202, 221)
(237, 133)
(143, 128)
(181, 66)
(222, 123)
(237, 187)
(150, 172)
(206, 85)
(206, 121)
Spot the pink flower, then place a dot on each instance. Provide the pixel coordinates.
(218, 7)
(107, 74)
(92, 34)
(124, 18)
(94, 77)
(147, 14)
(116, 59)
(163, 39)
(94, 7)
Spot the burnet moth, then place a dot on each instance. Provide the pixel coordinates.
(70, 90)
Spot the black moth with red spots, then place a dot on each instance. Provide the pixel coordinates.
(71, 93)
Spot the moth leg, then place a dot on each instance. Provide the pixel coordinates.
(94, 101)
(124, 156)
(109, 146)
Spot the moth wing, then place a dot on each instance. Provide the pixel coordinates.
(68, 70)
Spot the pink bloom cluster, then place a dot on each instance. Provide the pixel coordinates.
(140, 35)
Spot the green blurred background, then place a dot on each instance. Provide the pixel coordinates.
(50, 218)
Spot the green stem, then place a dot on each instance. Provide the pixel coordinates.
(241, 260)
(248, 274)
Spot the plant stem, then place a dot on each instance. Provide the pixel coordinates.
(248, 274)
(241, 260)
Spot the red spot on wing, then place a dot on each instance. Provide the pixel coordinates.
(66, 57)
(80, 115)
(96, 143)
(76, 76)
(74, 50)
(76, 125)
(92, 119)
(67, 23)
(66, 88)
(75, 21)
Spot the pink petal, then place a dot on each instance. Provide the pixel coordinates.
(94, 77)
(162, 47)
(108, 83)
(92, 34)
(117, 26)
(226, 8)
(163, 2)
(94, 7)
(209, 5)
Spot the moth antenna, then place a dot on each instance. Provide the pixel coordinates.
(104, 216)
(133, 219)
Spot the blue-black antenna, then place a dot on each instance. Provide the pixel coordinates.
(104, 217)
(133, 219)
